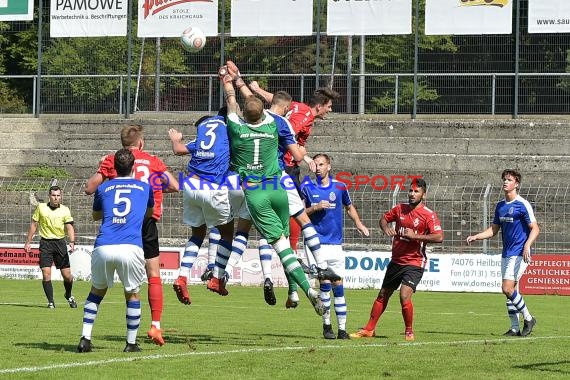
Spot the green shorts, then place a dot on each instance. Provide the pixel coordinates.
(269, 210)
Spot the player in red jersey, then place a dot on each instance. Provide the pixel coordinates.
(150, 169)
(416, 225)
(301, 117)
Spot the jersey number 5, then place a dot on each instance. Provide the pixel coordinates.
(120, 199)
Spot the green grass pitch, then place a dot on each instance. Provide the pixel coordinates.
(458, 336)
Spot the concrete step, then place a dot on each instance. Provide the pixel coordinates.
(494, 129)
(317, 144)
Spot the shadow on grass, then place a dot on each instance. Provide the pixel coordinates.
(42, 306)
(49, 346)
(546, 367)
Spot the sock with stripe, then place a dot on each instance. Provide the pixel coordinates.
(291, 265)
(339, 305)
(313, 242)
(213, 239)
(325, 295)
(90, 310)
(513, 314)
(265, 255)
(190, 255)
(238, 247)
(518, 302)
(133, 318)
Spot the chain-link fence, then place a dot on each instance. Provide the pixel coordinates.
(463, 210)
(518, 73)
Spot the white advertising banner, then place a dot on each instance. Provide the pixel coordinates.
(272, 18)
(445, 17)
(444, 272)
(363, 269)
(347, 18)
(88, 18)
(551, 16)
(164, 18)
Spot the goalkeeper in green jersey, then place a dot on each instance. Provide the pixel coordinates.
(254, 146)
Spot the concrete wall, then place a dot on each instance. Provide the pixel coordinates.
(452, 151)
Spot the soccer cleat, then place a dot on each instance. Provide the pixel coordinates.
(182, 290)
(72, 303)
(318, 304)
(84, 345)
(528, 326)
(511, 332)
(217, 285)
(363, 333)
(409, 336)
(51, 305)
(132, 347)
(207, 275)
(292, 300)
(342, 335)
(328, 332)
(327, 274)
(156, 336)
(268, 292)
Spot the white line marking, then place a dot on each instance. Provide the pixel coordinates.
(275, 349)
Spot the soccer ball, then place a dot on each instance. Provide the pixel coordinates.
(193, 39)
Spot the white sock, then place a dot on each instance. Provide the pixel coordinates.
(265, 255)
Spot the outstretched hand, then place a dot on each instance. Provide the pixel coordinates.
(224, 75)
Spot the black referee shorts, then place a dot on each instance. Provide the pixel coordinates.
(54, 251)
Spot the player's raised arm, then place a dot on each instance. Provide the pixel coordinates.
(229, 91)
(268, 96)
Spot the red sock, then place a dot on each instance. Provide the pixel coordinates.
(294, 233)
(155, 299)
(378, 308)
(408, 314)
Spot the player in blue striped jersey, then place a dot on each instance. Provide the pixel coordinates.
(122, 204)
(519, 230)
(326, 200)
(206, 193)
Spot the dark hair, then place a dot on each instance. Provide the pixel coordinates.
(124, 161)
(223, 112)
(512, 172)
(419, 183)
(54, 188)
(131, 135)
(201, 120)
(322, 96)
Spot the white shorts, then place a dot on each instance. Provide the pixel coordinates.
(333, 255)
(239, 206)
(296, 205)
(512, 268)
(209, 207)
(126, 259)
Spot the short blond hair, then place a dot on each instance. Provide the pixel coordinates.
(252, 109)
(131, 135)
